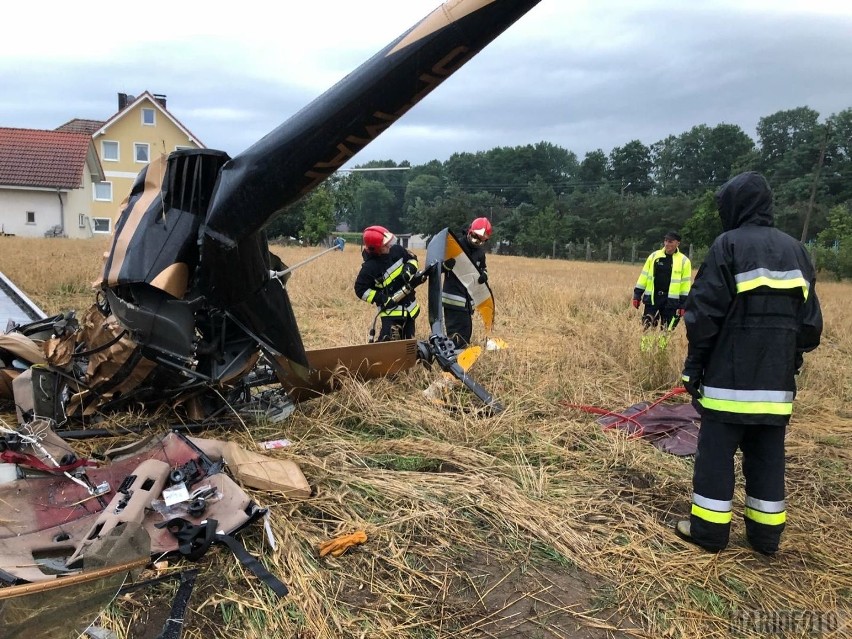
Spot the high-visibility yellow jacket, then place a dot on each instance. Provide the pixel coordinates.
(678, 287)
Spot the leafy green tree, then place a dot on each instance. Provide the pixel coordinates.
(424, 187)
(540, 234)
(318, 221)
(455, 210)
(834, 243)
(705, 224)
(288, 222)
(373, 203)
(592, 171)
(630, 168)
(789, 145)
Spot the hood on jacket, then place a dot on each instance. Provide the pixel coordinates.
(745, 199)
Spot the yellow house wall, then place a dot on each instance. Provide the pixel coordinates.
(163, 138)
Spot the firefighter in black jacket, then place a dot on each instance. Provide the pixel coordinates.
(751, 314)
(458, 306)
(384, 280)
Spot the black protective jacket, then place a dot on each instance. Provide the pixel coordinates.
(752, 311)
(383, 275)
(454, 294)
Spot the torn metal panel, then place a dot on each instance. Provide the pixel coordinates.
(15, 306)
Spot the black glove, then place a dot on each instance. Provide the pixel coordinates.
(692, 383)
(483, 277)
(408, 271)
(449, 264)
(381, 298)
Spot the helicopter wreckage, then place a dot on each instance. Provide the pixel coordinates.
(192, 311)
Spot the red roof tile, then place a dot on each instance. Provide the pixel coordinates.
(37, 158)
(79, 125)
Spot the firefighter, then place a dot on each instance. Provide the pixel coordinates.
(664, 284)
(752, 313)
(384, 280)
(458, 305)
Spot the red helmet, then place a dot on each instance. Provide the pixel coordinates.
(376, 237)
(480, 230)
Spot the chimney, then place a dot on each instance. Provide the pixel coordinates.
(123, 100)
(159, 97)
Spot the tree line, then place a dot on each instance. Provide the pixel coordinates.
(545, 202)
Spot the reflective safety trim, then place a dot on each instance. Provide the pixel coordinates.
(712, 516)
(718, 505)
(392, 272)
(412, 310)
(748, 408)
(731, 394)
(767, 519)
(750, 402)
(453, 300)
(765, 506)
(755, 278)
(368, 295)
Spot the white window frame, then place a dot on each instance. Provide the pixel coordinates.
(96, 220)
(81, 221)
(153, 113)
(138, 146)
(95, 192)
(31, 217)
(104, 153)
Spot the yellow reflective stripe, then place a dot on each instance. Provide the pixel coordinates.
(713, 516)
(369, 295)
(749, 408)
(412, 310)
(768, 519)
(750, 285)
(393, 275)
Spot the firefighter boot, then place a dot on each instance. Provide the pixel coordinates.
(683, 530)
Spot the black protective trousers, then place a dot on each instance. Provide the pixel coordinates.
(395, 328)
(666, 318)
(763, 467)
(459, 325)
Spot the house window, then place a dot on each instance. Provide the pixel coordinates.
(109, 151)
(141, 152)
(81, 221)
(148, 117)
(103, 191)
(101, 225)
(30, 217)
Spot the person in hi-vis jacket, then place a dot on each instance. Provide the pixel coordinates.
(664, 284)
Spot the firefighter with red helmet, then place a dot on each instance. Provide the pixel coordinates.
(384, 280)
(457, 303)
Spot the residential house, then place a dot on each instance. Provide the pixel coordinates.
(47, 182)
(141, 130)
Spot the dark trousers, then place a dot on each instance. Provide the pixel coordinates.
(459, 325)
(666, 318)
(763, 468)
(394, 328)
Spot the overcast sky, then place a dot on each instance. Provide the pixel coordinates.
(580, 74)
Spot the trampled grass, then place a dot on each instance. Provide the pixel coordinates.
(531, 523)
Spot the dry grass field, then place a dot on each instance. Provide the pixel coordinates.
(532, 523)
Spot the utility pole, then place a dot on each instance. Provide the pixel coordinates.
(816, 180)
